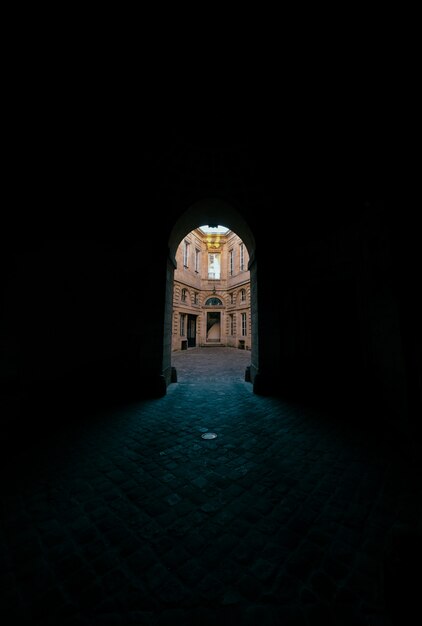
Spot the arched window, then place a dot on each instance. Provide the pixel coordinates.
(213, 302)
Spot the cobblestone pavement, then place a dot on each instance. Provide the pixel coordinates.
(134, 518)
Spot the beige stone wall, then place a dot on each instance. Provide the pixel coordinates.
(216, 324)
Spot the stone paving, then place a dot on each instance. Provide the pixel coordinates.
(133, 518)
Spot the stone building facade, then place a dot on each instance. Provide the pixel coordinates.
(211, 295)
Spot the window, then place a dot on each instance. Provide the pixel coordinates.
(243, 316)
(242, 257)
(183, 297)
(231, 298)
(213, 302)
(197, 258)
(214, 266)
(242, 295)
(186, 254)
(231, 324)
(231, 262)
(182, 324)
(195, 298)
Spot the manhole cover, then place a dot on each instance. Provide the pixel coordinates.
(208, 436)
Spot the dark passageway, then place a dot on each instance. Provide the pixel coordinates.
(305, 510)
(133, 518)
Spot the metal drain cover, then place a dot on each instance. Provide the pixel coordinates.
(208, 436)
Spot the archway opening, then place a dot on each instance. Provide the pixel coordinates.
(211, 290)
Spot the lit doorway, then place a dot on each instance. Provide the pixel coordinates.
(213, 326)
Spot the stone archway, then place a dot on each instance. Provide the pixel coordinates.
(211, 211)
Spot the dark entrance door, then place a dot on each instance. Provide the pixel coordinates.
(191, 331)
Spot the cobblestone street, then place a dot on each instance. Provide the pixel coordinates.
(134, 518)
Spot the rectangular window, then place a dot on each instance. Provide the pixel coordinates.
(197, 257)
(243, 324)
(182, 324)
(186, 254)
(214, 266)
(195, 298)
(231, 262)
(232, 324)
(242, 257)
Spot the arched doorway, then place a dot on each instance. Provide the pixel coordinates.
(210, 211)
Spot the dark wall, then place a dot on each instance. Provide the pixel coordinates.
(341, 331)
(79, 326)
(83, 308)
